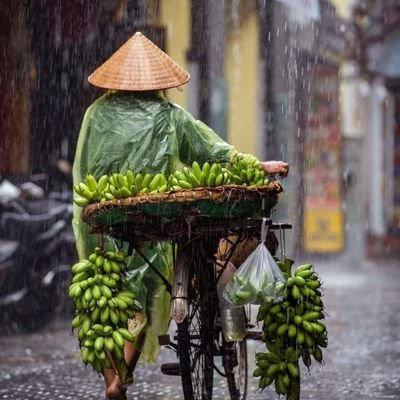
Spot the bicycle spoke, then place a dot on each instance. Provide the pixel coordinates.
(195, 336)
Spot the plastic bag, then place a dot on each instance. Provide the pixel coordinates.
(259, 280)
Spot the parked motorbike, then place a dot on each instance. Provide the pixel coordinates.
(37, 248)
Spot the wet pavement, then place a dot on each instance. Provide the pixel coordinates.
(362, 361)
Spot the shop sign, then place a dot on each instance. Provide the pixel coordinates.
(322, 214)
(323, 229)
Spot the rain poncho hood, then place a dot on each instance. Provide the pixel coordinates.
(145, 133)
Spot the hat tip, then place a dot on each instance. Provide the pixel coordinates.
(138, 34)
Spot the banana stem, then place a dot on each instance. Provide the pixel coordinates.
(294, 388)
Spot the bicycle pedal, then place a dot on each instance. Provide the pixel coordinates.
(164, 340)
(170, 369)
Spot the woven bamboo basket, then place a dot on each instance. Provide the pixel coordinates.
(223, 202)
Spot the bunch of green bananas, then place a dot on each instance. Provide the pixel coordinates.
(91, 190)
(118, 185)
(102, 308)
(248, 174)
(294, 323)
(207, 175)
(132, 184)
(277, 365)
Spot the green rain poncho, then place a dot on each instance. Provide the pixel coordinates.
(145, 133)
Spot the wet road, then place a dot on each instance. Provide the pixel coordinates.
(362, 361)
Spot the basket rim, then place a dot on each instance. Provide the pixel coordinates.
(217, 194)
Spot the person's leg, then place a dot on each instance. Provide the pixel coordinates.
(132, 350)
(242, 249)
(115, 390)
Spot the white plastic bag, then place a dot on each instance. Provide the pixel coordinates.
(259, 280)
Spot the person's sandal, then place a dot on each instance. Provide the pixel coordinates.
(119, 396)
(122, 396)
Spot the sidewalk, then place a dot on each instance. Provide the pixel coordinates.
(362, 360)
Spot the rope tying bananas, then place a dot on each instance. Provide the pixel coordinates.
(117, 185)
(292, 330)
(102, 308)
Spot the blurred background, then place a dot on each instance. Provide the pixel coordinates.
(315, 83)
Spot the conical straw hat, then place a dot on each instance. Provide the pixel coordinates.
(139, 65)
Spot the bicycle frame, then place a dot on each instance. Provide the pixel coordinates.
(206, 340)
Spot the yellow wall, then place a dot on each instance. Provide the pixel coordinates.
(241, 73)
(175, 16)
(343, 8)
(240, 69)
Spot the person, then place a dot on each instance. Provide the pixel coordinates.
(134, 126)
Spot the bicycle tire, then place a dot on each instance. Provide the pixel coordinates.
(196, 334)
(234, 359)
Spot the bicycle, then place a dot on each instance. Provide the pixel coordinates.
(199, 335)
(199, 338)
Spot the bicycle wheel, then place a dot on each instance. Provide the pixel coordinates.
(196, 334)
(234, 359)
